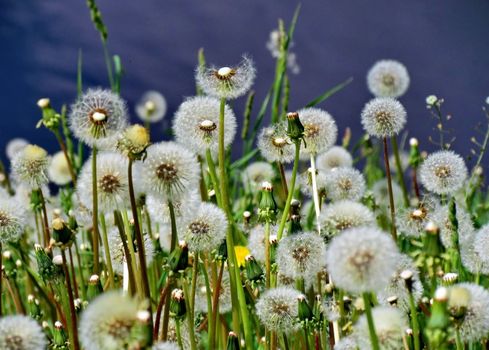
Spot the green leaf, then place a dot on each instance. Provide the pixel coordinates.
(329, 93)
(243, 160)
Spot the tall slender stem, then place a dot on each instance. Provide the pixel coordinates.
(71, 301)
(107, 251)
(73, 274)
(45, 223)
(67, 157)
(215, 302)
(389, 187)
(283, 180)
(285, 213)
(159, 309)
(400, 171)
(315, 194)
(139, 241)
(190, 315)
(267, 255)
(213, 175)
(120, 226)
(374, 339)
(414, 321)
(95, 213)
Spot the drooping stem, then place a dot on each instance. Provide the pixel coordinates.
(139, 241)
(389, 188)
(315, 194)
(95, 233)
(374, 340)
(400, 171)
(285, 213)
(74, 327)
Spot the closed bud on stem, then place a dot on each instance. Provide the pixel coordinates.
(94, 287)
(60, 338)
(432, 242)
(415, 158)
(295, 129)
(142, 332)
(233, 341)
(407, 276)
(449, 278)
(134, 142)
(254, 272)
(305, 311)
(439, 318)
(178, 260)
(33, 307)
(268, 207)
(50, 119)
(62, 234)
(178, 308)
(46, 268)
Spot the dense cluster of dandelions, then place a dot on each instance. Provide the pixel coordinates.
(179, 255)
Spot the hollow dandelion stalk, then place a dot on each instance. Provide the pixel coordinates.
(315, 194)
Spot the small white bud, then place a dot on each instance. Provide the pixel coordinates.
(43, 103)
(431, 100)
(413, 141)
(58, 260)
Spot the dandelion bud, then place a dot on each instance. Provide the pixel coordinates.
(246, 217)
(58, 260)
(268, 207)
(43, 103)
(431, 100)
(9, 264)
(432, 242)
(60, 338)
(222, 251)
(233, 341)
(178, 260)
(254, 271)
(450, 278)
(295, 129)
(45, 266)
(305, 311)
(392, 300)
(62, 234)
(33, 307)
(142, 330)
(178, 308)
(94, 287)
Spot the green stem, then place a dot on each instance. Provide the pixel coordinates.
(179, 334)
(285, 213)
(107, 251)
(213, 175)
(389, 187)
(458, 340)
(215, 306)
(267, 255)
(95, 232)
(315, 193)
(74, 327)
(190, 315)
(108, 63)
(414, 321)
(400, 171)
(371, 327)
(120, 226)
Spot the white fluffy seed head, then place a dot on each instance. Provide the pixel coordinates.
(117, 254)
(346, 343)
(12, 220)
(390, 325)
(159, 211)
(342, 215)
(411, 221)
(383, 117)
(21, 332)
(443, 172)
(225, 301)
(97, 116)
(205, 229)
(151, 107)
(388, 78)
(59, 171)
(255, 173)
(345, 183)
(335, 157)
(14, 146)
(196, 124)
(275, 145)
(30, 165)
(112, 182)
(475, 323)
(170, 170)
(165, 346)
(107, 322)
(481, 243)
(320, 131)
(305, 183)
(227, 82)
(298, 255)
(277, 309)
(362, 259)
(466, 230)
(256, 241)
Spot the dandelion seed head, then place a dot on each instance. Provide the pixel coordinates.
(362, 259)
(30, 165)
(225, 303)
(342, 215)
(166, 346)
(255, 173)
(12, 220)
(112, 182)
(170, 170)
(405, 266)
(151, 107)
(388, 78)
(298, 255)
(97, 116)
(305, 183)
(390, 325)
(107, 322)
(466, 230)
(481, 243)
(346, 343)
(381, 192)
(277, 309)
(19, 332)
(345, 183)
(383, 117)
(159, 211)
(335, 157)
(196, 124)
(59, 171)
(227, 82)
(320, 131)
(275, 145)
(14, 146)
(443, 172)
(411, 222)
(205, 229)
(474, 299)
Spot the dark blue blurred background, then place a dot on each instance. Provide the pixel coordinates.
(443, 43)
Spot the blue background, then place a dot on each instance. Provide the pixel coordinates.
(443, 43)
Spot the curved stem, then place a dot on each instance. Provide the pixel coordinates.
(95, 213)
(68, 160)
(389, 187)
(285, 213)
